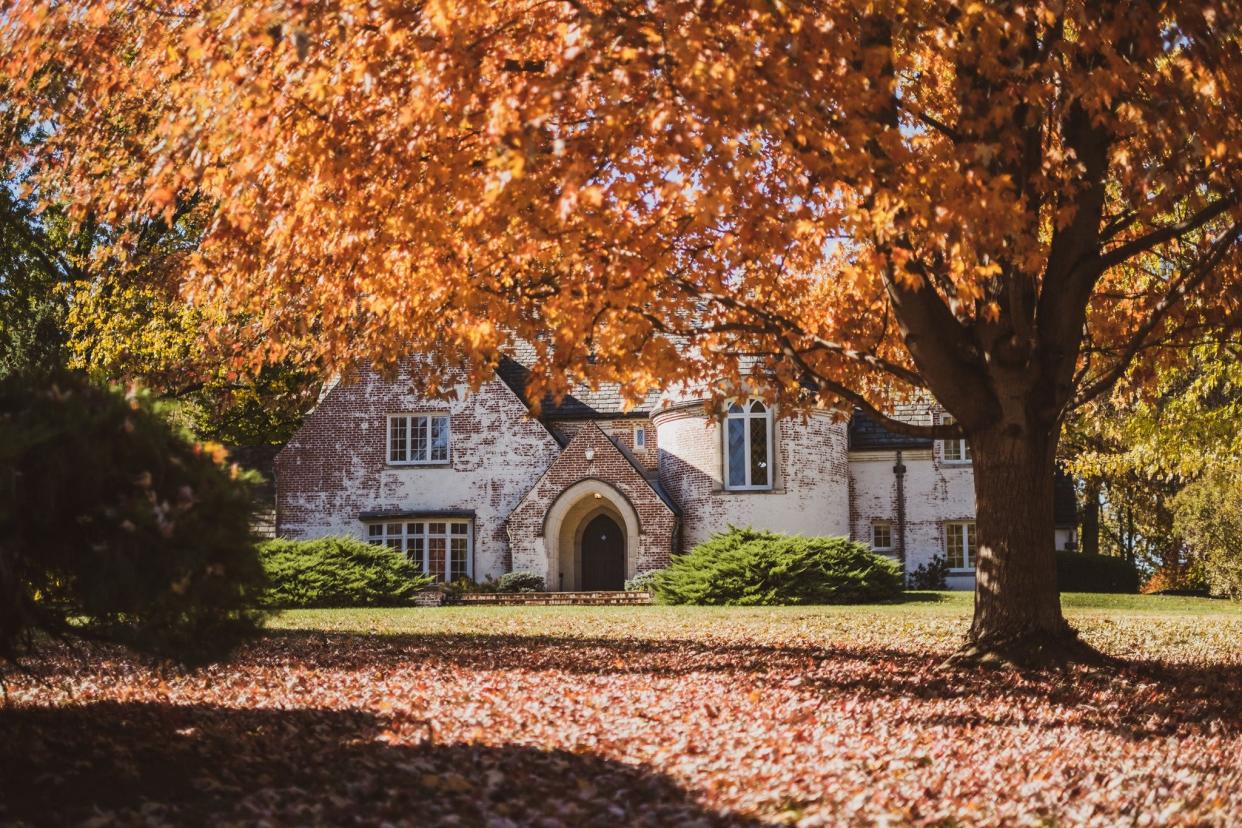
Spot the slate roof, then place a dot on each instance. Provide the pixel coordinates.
(583, 403)
(865, 434)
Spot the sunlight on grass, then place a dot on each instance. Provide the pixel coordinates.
(1131, 626)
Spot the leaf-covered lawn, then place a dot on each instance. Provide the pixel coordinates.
(639, 715)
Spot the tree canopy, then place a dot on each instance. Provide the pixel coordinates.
(456, 173)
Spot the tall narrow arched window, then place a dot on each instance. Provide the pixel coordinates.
(748, 446)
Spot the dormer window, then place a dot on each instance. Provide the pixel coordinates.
(748, 446)
(957, 450)
(418, 439)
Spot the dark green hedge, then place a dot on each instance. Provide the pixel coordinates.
(338, 572)
(750, 567)
(1077, 572)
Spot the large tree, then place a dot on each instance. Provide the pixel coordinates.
(1004, 205)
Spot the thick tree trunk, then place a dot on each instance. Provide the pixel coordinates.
(1018, 618)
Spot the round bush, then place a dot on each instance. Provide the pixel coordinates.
(519, 582)
(338, 572)
(746, 567)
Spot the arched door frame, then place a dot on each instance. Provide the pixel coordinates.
(578, 504)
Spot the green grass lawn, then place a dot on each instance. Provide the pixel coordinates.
(1141, 627)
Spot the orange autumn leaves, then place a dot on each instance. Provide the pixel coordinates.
(595, 176)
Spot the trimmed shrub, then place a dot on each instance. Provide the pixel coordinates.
(1077, 572)
(932, 575)
(643, 581)
(519, 582)
(746, 567)
(114, 525)
(338, 572)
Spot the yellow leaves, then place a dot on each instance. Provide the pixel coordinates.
(440, 15)
(987, 269)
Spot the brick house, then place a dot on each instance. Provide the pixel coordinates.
(588, 494)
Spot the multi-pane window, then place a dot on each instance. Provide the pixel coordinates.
(418, 438)
(959, 541)
(956, 450)
(440, 547)
(882, 536)
(640, 437)
(748, 446)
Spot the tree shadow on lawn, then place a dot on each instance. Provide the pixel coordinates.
(1139, 699)
(196, 764)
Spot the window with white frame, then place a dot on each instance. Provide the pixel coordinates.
(882, 536)
(442, 548)
(418, 439)
(640, 437)
(959, 544)
(956, 450)
(748, 446)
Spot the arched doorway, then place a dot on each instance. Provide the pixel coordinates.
(603, 554)
(566, 538)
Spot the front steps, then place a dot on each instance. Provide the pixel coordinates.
(593, 599)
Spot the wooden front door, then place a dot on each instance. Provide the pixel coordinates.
(603, 555)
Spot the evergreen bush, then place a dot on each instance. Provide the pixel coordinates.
(932, 575)
(749, 567)
(519, 582)
(338, 572)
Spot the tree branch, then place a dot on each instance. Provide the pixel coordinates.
(778, 325)
(1142, 244)
(862, 403)
(1175, 294)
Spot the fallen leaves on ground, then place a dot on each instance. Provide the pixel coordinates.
(633, 717)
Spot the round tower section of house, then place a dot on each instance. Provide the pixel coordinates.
(752, 467)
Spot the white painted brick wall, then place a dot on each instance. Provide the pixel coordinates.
(935, 492)
(811, 493)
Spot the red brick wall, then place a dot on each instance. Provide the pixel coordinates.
(620, 429)
(526, 526)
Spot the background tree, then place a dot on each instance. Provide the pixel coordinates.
(1149, 442)
(1005, 205)
(121, 320)
(1209, 518)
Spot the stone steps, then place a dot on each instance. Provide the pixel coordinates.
(601, 598)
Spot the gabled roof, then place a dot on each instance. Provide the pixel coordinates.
(583, 403)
